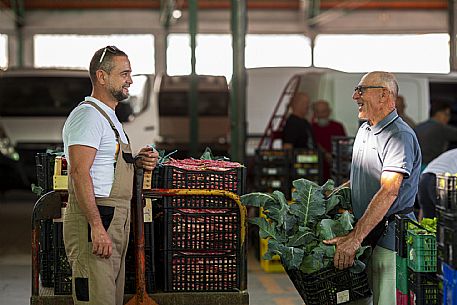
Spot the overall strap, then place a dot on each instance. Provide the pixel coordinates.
(106, 117)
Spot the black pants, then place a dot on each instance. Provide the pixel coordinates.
(427, 194)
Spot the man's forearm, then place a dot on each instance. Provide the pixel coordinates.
(376, 210)
(84, 191)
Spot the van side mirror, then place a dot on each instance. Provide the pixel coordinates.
(124, 112)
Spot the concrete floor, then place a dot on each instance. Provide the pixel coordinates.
(15, 260)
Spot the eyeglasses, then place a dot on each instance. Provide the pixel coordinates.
(361, 89)
(111, 49)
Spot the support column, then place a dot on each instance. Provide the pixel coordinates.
(193, 94)
(238, 88)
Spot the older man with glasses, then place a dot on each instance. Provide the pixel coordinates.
(385, 172)
(97, 218)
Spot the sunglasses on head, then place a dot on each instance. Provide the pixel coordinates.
(111, 49)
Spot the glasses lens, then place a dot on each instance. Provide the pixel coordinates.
(359, 90)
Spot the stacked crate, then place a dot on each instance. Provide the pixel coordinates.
(306, 163)
(341, 158)
(272, 171)
(202, 249)
(44, 172)
(401, 259)
(446, 211)
(416, 261)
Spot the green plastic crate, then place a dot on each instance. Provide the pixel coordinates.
(421, 251)
(402, 274)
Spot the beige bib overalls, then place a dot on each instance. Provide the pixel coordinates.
(97, 280)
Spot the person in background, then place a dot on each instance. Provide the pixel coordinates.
(96, 222)
(385, 173)
(323, 130)
(297, 132)
(427, 196)
(401, 106)
(435, 134)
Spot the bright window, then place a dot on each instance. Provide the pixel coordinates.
(3, 51)
(394, 53)
(277, 51)
(76, 51)
(213, 55)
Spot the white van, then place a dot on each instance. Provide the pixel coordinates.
(34, 104)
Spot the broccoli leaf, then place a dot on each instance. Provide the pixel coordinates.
(303, 236)
(267, 229)
(279, 209)
(309, 199)
(257, 199)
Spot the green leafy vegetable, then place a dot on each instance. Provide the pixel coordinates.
(295, 231)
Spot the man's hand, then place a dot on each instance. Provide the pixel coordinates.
(346, 247)
(101, 242)
(149, 157)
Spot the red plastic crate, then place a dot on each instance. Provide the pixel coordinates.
(402, 298)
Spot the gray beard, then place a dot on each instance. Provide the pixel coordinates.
(119, 95)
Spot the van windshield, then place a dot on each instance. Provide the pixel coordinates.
(42, 96)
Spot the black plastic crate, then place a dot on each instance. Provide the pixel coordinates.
(202, 229)
(149, 258)
(401, 227)
(272, 183)
(272, 156)
(232, 180)
(423, 288)
(46, 253)
(271, 170)
(199, 202)
(330, 286)
(305, 156)
(342, 147)
(446, 189)
(62, 268)
(202, 271)
(45, 171)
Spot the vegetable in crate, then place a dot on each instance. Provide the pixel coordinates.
(296, 230)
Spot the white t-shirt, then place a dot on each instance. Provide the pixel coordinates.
(444, 163)
(87, 126)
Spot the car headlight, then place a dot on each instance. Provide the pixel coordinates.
(7, 149)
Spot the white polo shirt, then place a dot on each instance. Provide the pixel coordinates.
(87, 126)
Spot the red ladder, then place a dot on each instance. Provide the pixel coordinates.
(273, 131)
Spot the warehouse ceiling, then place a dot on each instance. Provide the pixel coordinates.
(223, 4)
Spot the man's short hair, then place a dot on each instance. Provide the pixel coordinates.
(439, 106)
(105, 63)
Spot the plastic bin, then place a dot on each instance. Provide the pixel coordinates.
(446, 189)
(232, 180)
(202, 271)
(62, 268)
(402, 298)
(423, 288)
(421, 250)
(449, 285)
(46, 253)
(402, 274)
(401, 226)
(202, 229)
(330, 286)
(272, 156)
